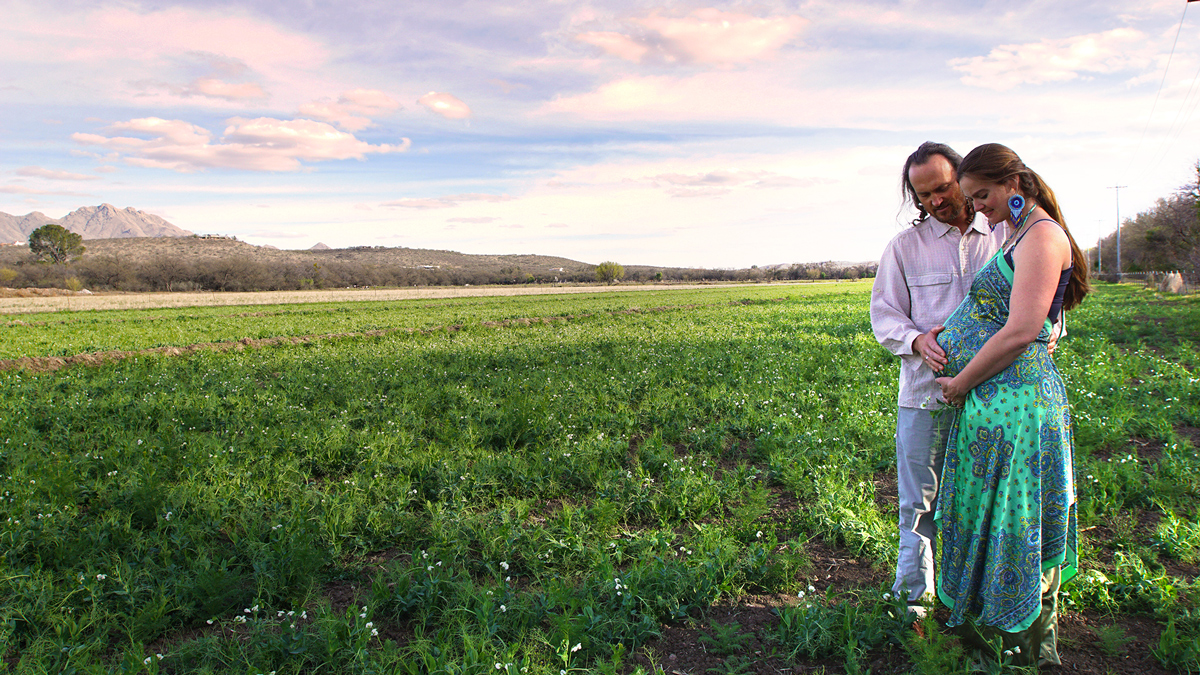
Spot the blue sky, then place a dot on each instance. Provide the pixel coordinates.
(668, 133)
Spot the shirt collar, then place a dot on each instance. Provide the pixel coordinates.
(979, 224)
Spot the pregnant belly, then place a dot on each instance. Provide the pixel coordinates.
(962, 338)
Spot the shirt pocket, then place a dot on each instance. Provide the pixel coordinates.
(929, 280)
(933, 298)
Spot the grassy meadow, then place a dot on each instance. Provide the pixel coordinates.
(541, 484)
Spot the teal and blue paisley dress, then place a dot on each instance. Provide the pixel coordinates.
(1006, 505)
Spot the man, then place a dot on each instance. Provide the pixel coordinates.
(923, 274)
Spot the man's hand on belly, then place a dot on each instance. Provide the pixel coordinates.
(925, 345)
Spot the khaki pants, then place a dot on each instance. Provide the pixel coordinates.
(1038, 644)
(920, 451)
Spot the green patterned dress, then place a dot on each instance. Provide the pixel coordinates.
(1006, 505)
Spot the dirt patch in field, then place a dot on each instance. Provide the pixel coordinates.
(783, 505)
(1190, 434)
(345, 593)
(1083, 651)
(687, 648)
(887, 494)
(1147, 450)
(841, 569)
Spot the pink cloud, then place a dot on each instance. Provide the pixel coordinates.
(262, 144)
(210, 86)
(617, 44)
(23, 190)
(1057, 60)
(368, 100)
(706, 36)
(39, 172)
(116, 44)
(506, 86)
(353, 109)
(446, 105)
(130, 34)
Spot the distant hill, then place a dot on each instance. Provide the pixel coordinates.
(189, 249)
(93, 222)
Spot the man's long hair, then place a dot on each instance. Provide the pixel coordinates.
(922, 155)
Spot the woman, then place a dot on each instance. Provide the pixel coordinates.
(1006, 506)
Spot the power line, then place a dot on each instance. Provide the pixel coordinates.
(1176, 127)
(1162, 83)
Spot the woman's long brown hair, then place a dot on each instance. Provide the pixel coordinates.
(995, 163)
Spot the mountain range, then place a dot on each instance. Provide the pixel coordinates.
(93, 222)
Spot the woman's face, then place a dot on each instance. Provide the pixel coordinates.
(990, 199)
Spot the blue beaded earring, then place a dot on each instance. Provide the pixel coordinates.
(1016, 205)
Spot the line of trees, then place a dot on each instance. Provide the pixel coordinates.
(1165, 237)
(245, 273)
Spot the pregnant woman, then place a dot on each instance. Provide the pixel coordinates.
(1006, 509)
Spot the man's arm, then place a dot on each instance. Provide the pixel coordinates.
(891, 305)
(891, 313)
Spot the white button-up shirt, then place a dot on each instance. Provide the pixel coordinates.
(924, 273)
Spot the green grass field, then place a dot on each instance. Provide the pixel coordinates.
(532, 485)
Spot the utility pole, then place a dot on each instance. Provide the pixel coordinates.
(1118, 188)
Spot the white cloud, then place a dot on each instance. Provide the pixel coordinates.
(479, 220)
(39, 172)
(353, 109)
(706, 36)
(446, 202)
(702, 191)
(446, 105)
(24, 190)
(419, 204)
(262, 144)
(1061, 60)
(722, 181)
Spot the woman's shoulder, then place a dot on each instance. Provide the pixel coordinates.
(1045, 228)
(1046, 233)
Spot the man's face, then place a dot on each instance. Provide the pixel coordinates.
(938, 191)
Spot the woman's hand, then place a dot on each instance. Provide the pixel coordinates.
(952, 392)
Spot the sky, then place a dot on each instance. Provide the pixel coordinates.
(691, 134)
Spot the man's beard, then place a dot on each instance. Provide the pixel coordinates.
(968, 211)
